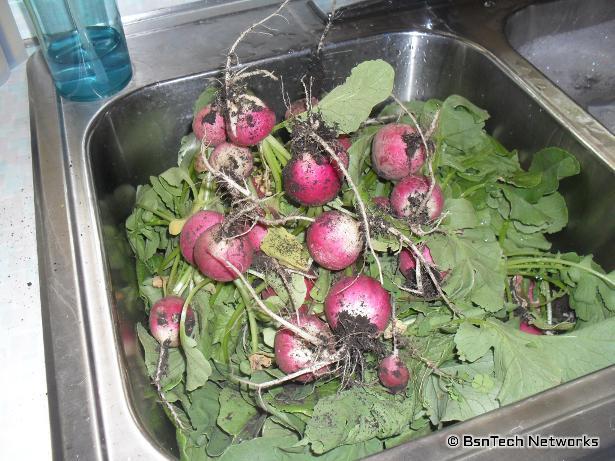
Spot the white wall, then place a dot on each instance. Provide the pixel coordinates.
(127, 8)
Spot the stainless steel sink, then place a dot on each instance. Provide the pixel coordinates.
(88, 157)
(572, 43)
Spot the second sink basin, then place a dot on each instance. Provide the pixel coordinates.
(572, 42)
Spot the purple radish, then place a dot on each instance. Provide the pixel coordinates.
(193, 228)
(393, 373)
(293, 353)
(408, 194)
(397, 151)
(356, 297)
(250, 121)
(334, 240)
(164, 320)
(310, 180)
(208, 126)
(212, 251)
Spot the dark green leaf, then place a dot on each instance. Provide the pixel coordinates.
(553, 164)
(527, 364)
(235, 412)
(357, 415)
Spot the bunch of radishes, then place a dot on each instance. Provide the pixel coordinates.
(223, 247)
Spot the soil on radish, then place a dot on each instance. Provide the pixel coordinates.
(163, 321)
(210, 117)
(422, 217)
(302, 136)
(430, 292)
(377, 224)
(413, 143)
(358, 334)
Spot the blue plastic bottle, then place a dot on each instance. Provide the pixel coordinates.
(84, 45)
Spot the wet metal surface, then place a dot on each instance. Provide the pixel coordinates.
(573, 44)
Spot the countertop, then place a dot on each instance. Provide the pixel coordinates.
(24, 423)
(25, 433)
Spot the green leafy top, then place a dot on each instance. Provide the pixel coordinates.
(463, 362)
(348, 105)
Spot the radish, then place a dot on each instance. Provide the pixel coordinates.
(212, 250)
(356, 297)
(310, 180)
(530, 329)
(250, 121)
(382, 202)
(293, 353)
(344, 141)
(393, 373)
(344, 158)
(164, 320)
(256, 236)
(407, 261)
(193, 228)
(408, 194)
(234, 160)
(397, 151)
(269, 291)
(208, 126)
(298, 107)
(334, 240)
(199, 163)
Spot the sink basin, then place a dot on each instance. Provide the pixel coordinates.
(89, 157)
(572, 43)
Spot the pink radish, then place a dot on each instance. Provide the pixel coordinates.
(382, 202)
(293, 353)
(164, 320)
(269, 291)
(212, 251)
(407, 262)
(397, 151)
(342, 155)
(193, 228)
(250, 121)
(298, 107)
(334, 240)
(393, 373)
(360, 296)
(344, 141)
(256, 236)
(234, 160)
(408, 194)
(530, 329)
(310, 180)
(208, 126)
